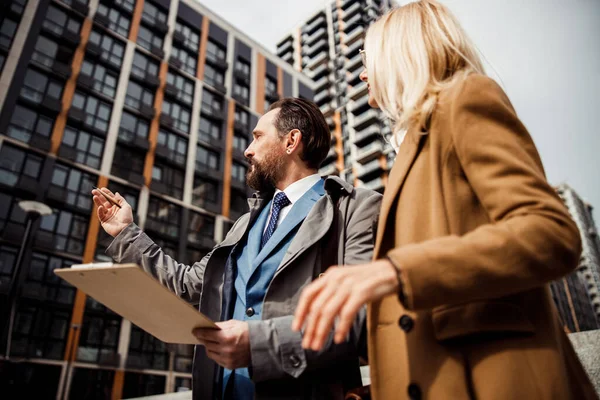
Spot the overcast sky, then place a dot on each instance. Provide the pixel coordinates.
(544, 53)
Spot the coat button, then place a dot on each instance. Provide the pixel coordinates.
(250, 311)
(414, 392)
(295, 361)
(406, 323)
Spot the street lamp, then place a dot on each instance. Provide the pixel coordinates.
(33, 210)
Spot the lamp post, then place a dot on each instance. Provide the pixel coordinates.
(33, 210)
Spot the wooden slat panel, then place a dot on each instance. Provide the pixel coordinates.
(79, 303)
(117, 390)
(135, 20)
(337, 118)
(261, 70)
(228, 159)
(69, 90)
(202, 49)
(154, 125)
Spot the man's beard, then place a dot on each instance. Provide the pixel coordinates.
(264, 176)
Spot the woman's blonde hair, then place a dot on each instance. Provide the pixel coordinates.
(413, 52)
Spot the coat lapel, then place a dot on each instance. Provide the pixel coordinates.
(404, 160)
(296, 215)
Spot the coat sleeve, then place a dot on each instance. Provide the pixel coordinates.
(132, 245)
(276, 350)
(530, 239)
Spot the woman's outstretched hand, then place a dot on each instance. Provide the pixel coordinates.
(341, 292)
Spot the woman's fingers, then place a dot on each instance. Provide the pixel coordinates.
(305, 302)
(315, 311)
(327, 314)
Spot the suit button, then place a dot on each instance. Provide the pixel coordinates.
(414, 392)
(406, 323)
(295, 361)
(250, 311)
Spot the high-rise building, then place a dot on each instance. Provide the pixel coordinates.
(577, 296)
(326, 48)
(155, 99)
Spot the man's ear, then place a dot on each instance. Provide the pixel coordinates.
(293, 142)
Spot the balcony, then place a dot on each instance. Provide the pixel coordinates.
(288, 58)
(369, 134)
(315, 24)
(358, 91)
(353, 22)
(346, 4)
(320, 72)
(312, 51)
(369, 169)
(322, 97)
(321, 33)
(321, 84)
(287, 46)
(375, 184)
(331, 156)
(353, 49)
(369, 152)
(352, 37)
(354, 63)
(351, 11)
(366, 119)
(359, 106)
(353, 78)
(319, 60)
(329, 169)
(326, 109)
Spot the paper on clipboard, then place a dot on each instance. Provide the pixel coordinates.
(137, 296)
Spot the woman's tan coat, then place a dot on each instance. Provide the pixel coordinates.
(477, 233)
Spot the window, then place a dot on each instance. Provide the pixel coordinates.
(97, 113)
(37, 86)
(146, 351)
(63, 231)
(105, 80)
(242, 92)
(18, 6)
(200, 227)
(12, 217)
(88, 147)
(137, 96)
(180, 115)
(137, 384)
(177, 144)
(188, 59)
(209, 130)
(132, 127)
(128, 161)
(270, 85)
(152, 14)
(172, 178)
(192, 37)
(242, 117)
(185, 86)
(26, 123)
(212, 76)
(118, 22)
(45, 310)
(45, 51)
(207, 159)
(8, 258)
(239, 202)
(183, 361)
(143, 65)
(88, 383)
(238, 172)
(113, 49)
(15, 162)
(242, 66)
(211, 102)
(8, 28)
(57, 21)
(163, 217)
(77, 184)
(205, 191)
(267, 104)
(128, 5)
(99, 338)
(214, 52)
(240, 142)
(147, 39)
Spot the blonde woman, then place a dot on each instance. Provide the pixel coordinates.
(470, 234)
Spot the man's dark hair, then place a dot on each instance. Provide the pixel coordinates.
(304, 115)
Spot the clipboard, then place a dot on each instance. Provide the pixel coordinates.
(135, 295)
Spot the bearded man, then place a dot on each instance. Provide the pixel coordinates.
(298, 225)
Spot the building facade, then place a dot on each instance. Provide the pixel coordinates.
(326, 48)
(155, 99)
(577, 296)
